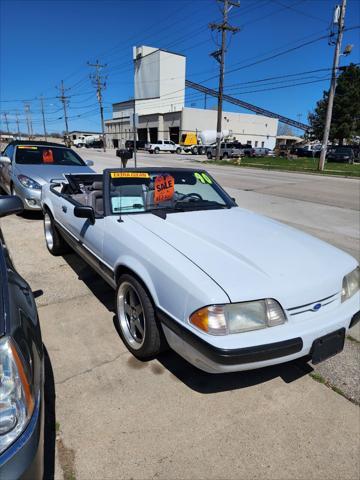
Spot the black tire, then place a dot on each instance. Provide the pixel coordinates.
(178, 151)
(201, 151)
(194, 150)
(55, 244)
(156, 150)
(209, 155)
(148, 343)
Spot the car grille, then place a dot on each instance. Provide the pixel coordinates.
(309, 307)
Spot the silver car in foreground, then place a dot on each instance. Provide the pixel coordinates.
(26, 166)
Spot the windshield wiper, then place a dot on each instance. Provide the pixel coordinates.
(198, 204)
(158, 212)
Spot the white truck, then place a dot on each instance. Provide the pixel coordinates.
(163, 146)
(86, 140)
(199, 142)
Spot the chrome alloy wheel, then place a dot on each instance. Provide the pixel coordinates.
(49, 234)
(131, 315)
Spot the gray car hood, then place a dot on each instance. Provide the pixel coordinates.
(45, 173)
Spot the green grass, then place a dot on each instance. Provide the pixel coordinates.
(352, 339)
(308, 165)
(320, 379)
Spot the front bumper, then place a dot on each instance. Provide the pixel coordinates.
(266, 347)
(31, 198)
(24, 459)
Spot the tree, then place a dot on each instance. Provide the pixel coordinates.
(284, 129)
(345, 124)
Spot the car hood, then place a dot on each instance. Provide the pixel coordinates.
(252, 257)
(45, 173)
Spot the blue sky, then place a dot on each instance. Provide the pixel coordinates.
(44, 42)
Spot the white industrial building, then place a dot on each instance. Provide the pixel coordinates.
(159, 107)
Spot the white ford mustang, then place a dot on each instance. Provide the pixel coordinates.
(226, 288)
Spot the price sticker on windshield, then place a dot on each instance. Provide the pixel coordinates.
(129, 175)
(203, 178)
(164, 188)
(47, 156)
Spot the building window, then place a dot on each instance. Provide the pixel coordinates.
(262, 144)
(256, 143)
(248, 142)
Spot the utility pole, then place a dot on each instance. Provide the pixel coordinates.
(100, 84)
(219, 55)
(28, 119)
(17, 123)
(6, 121)
(43, 116)
(339, 19)
(63, 98)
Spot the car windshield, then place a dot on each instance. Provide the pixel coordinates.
(343, 150)
(173, 191)
(46, 155)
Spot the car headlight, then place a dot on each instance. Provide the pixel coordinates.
(16, 394)
(29, 182)
(238, 317)
(351, 284)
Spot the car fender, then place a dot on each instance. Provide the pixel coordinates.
(129, 262)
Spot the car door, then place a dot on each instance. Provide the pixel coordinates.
(167, 146)
(6, 168)
(87, 236)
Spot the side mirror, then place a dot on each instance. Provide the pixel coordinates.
(10, 204)
(5, 159)
(89, 163)
(85, 212)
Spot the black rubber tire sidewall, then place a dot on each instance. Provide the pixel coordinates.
(154, 342)
(60, 247)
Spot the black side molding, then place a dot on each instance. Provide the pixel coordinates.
(237, 356)
(355, 319)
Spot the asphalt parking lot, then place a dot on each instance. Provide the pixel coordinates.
(118, 418)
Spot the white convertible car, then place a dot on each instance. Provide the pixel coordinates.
(226, 288)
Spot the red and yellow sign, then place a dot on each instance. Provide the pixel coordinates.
(129, 175)
(164, 188)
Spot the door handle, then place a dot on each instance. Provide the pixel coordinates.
(64, 208)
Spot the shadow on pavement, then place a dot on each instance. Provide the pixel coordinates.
(102, 291)
(50, 419)
(30, 215)
(203, 382)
